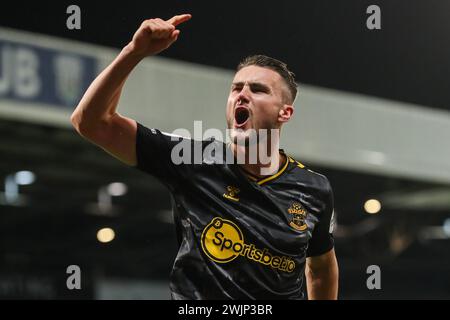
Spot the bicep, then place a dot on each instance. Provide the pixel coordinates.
(117, 136)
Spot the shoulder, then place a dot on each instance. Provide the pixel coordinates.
(181, 135)
(305, 175)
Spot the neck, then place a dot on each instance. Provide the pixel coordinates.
(260, 160)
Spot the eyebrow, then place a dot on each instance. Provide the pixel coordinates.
(253, 85)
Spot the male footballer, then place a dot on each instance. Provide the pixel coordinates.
(246, 229)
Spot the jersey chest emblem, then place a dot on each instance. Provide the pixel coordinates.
(232, 193)
(298, 217)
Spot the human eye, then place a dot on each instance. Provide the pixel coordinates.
(236, 88)
(259, 89)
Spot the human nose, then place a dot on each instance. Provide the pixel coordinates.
(243, 96)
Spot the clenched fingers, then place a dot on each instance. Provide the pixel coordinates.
(159, 28)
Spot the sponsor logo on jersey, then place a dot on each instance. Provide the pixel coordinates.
(298, 217)
(223, 241)
(232, 193)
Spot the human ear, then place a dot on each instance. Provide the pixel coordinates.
(285, 113)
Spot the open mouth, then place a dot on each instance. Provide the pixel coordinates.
(241, 116)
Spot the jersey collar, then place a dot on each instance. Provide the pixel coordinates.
(261, 181)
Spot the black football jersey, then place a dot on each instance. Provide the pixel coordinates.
(239, 237)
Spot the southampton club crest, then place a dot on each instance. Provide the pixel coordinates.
(298, 218)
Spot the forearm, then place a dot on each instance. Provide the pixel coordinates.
(101, 98)
(322, 283)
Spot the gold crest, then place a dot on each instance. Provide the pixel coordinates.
(298, 217)
(232, 193)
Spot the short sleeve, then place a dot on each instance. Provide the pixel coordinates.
(154, 154)
(322, 239)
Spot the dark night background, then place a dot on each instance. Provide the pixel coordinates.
(326, 43)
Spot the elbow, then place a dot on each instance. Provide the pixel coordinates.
(92, 129)
(81, 124)
(75, 120)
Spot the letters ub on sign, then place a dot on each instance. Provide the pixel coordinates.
(40, 75)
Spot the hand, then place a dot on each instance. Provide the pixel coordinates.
(156, 35)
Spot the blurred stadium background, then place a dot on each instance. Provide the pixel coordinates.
(372, 114)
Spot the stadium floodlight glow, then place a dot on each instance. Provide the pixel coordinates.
(117, 189)
(23, 178)
(13, 181)
(446, 227)
(107, 192)
(372, 206)
(105, 235)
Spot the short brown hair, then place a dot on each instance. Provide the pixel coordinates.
(275, 65)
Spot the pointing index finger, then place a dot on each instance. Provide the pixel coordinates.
(176, 20)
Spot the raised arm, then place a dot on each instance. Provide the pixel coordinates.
(96, 117)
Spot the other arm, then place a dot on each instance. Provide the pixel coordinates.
(322, 276)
